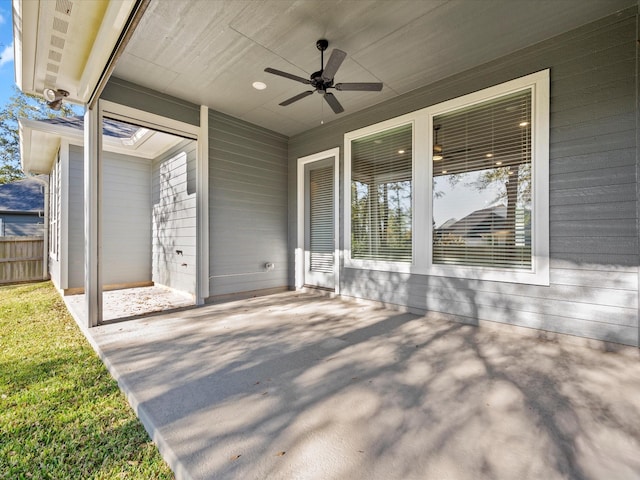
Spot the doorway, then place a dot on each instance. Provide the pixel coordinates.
(317, 261)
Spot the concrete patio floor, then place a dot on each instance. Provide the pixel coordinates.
(297, 386)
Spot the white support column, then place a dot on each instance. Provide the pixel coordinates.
(92, 214)
(202, 208)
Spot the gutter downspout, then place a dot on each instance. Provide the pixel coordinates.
(45, 257)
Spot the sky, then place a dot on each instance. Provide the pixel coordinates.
(7, 77)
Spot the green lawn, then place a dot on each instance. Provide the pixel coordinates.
(62, 416)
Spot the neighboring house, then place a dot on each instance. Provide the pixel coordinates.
(531, 102)
(22, 208)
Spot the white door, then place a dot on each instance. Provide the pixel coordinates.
(319, 224)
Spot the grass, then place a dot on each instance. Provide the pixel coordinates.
(62, 415)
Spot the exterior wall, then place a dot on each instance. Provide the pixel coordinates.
(75, 231)
(593, 289)
(132, 95)
(126, 220)
(247, 206)
(20, 225)
(247, 198)
(174, 218)
(126, 246)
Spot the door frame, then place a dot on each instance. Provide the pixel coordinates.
(299, 252)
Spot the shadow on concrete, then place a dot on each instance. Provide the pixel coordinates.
(353, 390)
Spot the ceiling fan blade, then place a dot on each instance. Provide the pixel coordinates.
(362, 86)
(300, 96)
(334, 62)
(333, 102)
(290, 76)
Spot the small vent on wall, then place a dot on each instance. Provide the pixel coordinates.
(57, 42)
(53, 68)
(50, 79)
(60, 25)
(64, 6)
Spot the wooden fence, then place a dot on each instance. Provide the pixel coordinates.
(21, 259)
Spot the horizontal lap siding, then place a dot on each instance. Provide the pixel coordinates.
(593, 289)
(247, 206)
(126, 219)
(75, 261)
(174, 218)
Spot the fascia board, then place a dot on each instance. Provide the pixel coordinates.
(25, 32)
(106, 40)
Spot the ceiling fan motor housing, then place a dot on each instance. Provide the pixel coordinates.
(322, 44)
(318, 83)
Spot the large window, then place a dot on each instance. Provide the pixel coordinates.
(381, 179)
(482, 184)
(458, 189)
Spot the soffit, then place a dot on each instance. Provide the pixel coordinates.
(40, 141)
(65, 44)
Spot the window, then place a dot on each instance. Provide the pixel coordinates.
(381, 180)
(458, 189)
(482, 184)
(54, 210)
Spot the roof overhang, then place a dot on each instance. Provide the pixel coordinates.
(66, 44)
(40, 142)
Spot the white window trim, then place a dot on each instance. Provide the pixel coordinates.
(349, 262)
(422, 187)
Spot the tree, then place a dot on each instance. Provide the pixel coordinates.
(21, 105)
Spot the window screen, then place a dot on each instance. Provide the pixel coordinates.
(381, 195)
(482, 184)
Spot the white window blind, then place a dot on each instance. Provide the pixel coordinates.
(321, 216)
(482, 184)
(381, 195)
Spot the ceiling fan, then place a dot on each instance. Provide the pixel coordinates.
(322, 80)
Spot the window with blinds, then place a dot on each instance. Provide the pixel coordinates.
(482, 184)
(381, 195)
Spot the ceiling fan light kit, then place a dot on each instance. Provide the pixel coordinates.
(323, 79)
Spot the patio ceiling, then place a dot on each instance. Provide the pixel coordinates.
(210, 52)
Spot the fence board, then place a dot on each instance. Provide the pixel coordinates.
(21, 259)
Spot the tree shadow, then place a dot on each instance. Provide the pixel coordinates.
(353, 389)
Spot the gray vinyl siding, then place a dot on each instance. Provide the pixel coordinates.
(247, 206)
(593, 289)
(20, 225)
(174, 218)
(126, 219)
(134, 96)
(75, 261)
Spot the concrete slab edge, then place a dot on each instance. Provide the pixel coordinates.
(167, 453)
